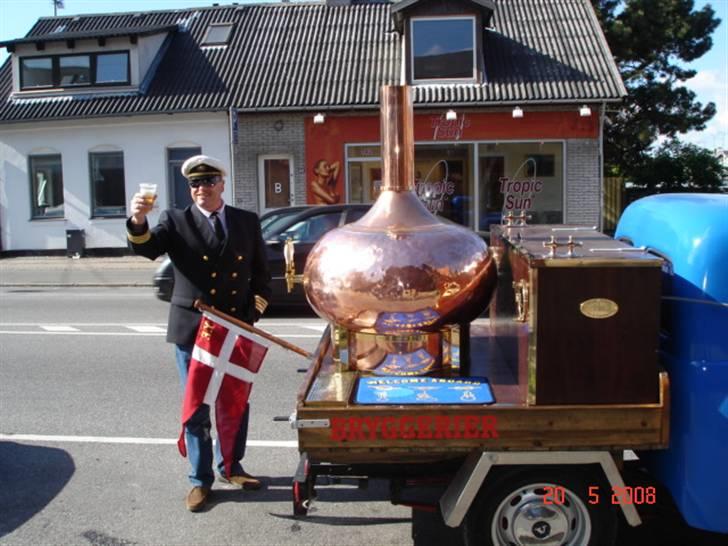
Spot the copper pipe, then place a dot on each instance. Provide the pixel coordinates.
(397, 131)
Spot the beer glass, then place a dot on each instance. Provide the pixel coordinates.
(149, 193)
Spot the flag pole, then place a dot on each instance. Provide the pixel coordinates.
(252, 329)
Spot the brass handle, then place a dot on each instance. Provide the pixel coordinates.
(552, 244)
(291, 277)
(510, 219)
(521, 292)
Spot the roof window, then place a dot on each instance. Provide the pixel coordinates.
(217, 34)
(443, 48)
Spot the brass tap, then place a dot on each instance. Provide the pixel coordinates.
(291, 277)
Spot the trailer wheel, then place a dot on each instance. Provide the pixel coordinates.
(303, 489)
(300, 500)
(542, 505)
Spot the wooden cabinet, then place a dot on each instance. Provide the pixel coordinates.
(578, 323)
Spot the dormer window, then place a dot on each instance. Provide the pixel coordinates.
(54, 71)
(217, 34)
(443, 48)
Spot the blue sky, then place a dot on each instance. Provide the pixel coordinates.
(710, 84)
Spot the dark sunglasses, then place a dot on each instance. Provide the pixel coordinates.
(208, 182)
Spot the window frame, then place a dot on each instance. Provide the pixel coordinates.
(177, 187)
(33, 189)
(95, 213)
(56, 70)
(210, 26)
(473, 19)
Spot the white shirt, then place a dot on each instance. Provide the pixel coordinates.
(220, 214)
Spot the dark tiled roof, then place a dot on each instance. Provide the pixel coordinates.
(539, 51)
(311, 56)
(61, 36)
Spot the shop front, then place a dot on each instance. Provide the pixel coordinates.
(470, 170)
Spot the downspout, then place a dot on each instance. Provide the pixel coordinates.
(232, 141)
(602, 108)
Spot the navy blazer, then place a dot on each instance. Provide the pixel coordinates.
(233, 277)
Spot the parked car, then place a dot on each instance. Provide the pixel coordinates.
(305, 225)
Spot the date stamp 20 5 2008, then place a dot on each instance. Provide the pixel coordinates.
(614, 495)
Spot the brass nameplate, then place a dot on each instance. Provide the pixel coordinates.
(599, 308)
(331, 389)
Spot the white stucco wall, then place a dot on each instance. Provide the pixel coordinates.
(144, 141)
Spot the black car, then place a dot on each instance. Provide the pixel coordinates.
(305, 225)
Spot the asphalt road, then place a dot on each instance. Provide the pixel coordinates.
(89, 416)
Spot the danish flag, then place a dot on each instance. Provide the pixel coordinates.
(224, 364)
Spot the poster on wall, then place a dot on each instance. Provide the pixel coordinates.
(325, 160)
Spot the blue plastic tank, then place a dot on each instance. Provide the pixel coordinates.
(691, 232)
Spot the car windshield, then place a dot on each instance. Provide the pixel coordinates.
(268, 220)
(273, 224)
(313, 228)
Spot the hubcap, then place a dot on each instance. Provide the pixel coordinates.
(523, 518)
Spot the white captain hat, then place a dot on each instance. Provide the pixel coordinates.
(199, 166)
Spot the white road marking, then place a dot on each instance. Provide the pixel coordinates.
(127, 440)
(316, 327)
(37, 333)
(281, 329)
(148, 329)
(104, 324)
(59, 329)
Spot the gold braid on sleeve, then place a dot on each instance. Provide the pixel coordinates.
(260, 304)
(139, 239)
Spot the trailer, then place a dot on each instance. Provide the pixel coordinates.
(571, 354)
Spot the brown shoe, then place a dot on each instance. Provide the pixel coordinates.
(243, 480)
(197, 498)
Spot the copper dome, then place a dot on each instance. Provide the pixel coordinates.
(399, 268)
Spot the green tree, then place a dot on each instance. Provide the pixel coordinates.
(649, 38)
(680, 167)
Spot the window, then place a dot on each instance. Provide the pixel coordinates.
(46, 186)
(36, 72)
(540, 165)
(364, 173)
(179, 188)
(443, 48)
(75, 70)
(112, 68)
(521, 177)
(443, 180)
(217, 34)
(108, 190)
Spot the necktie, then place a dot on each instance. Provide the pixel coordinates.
(219, 231)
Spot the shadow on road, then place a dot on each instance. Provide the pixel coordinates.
(30, 477)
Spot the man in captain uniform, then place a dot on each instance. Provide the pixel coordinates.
(219, 257)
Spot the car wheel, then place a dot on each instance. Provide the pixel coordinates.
(539, 505)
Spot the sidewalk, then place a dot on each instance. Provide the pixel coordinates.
(63, 271)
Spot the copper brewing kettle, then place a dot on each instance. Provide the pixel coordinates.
(399, 269)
